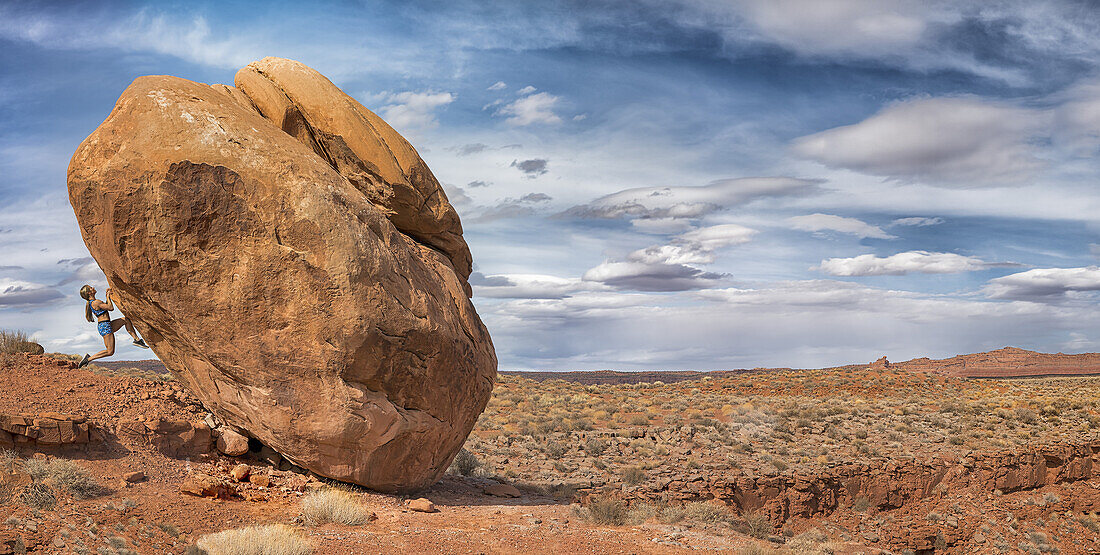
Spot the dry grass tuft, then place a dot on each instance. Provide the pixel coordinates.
(38, 496)
(273, 539)
(332, 505)
(15, 342)
(465, 463)
(607, 510)
(65, 475)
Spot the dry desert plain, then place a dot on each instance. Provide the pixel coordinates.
(882, 458)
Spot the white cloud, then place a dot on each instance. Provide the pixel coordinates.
(809, 323)
(718, 236)
(1077, 118)
(917, 222)
(530, 286)
(921, 262)
(512, 208)
(839, 224)
(838, 26)
(672, 267)
(535, 108)
(414, 109)
(186, 38)
(638, 274)
(954, 141)
(1045, 284)
(499, 85)
(692, 202)
(18, 293)
(526, 90)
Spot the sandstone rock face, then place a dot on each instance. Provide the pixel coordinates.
(294, 263)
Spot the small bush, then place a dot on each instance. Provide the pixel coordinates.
(13, 341)
(607, 510)
(273, 539)
(332, 505)
(8, 458)
(708, 513)
(64, 475)
(69, 476)
(554, 449)
(37, 468)
(639, 513)
(465, 463)
(38, 496)
(757, 524)
(633, 475)
(1089, 523)
(672, 514)
(595, 447)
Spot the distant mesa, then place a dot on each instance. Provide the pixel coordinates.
(294, 262)
(1009, 362)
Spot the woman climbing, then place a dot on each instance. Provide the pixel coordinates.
(107, 326)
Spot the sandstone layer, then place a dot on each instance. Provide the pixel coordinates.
(295, 264)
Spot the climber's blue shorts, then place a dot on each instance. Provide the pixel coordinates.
(105, 328)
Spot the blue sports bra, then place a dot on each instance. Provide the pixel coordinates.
(99, 312)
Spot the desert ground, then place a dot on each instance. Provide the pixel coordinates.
(859, 459)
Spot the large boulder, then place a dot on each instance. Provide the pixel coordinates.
(295, 264)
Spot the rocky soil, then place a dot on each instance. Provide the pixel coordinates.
(849, 460)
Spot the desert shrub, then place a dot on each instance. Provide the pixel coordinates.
(639, 420)
(332, 505)
(465, 463)
(708, 513)
(12, 341)
(861, 504)
(595, 447)
(169, 529)
(581, 424)
(64, 475)
(633, 475)
(38, 496)
(71, 477)
(554, 449)
(607, 510)
(639, 513)
(1026, 415)
(672, 514)
(37, 468)
(757, 524)
(273, 539)
(8, 458)
(1089, 523)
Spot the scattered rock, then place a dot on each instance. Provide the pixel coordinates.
(241, 472)
(134, 477)
(503, 490)
(421, 505)
(204, 485)
(261, 480)
(231, 443)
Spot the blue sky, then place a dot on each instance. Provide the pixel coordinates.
(675, 184)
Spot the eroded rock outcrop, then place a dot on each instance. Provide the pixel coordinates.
(293, 262)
